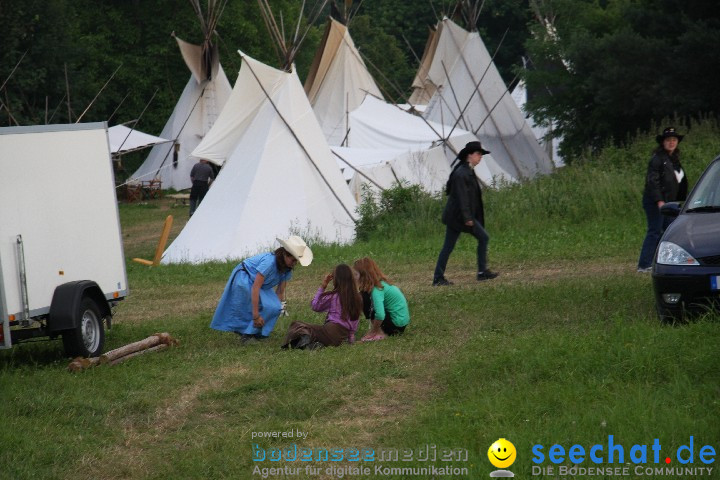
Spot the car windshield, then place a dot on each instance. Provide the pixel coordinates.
(706, 196)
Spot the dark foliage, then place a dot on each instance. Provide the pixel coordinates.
(627, 66)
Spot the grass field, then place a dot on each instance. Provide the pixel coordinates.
(563, 348)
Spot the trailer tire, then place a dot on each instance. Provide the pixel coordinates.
(88, 338)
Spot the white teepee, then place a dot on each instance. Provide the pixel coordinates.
(278, 176)
(474, 97)
(199, 105)
(338, 81)
(443, 47)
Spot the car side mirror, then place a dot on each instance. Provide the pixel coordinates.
(671, 209)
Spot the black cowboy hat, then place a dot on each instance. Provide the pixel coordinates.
(471, 147)
(667, 133)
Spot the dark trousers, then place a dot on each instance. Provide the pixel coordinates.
(451, 238)
(656, 225)
(197, 193)
(387, 325)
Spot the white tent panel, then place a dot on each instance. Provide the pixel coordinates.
(340, 82)
(278, 177)
(124, 139)
(449, 49)
(377, 124)
(442, 50)
(359, 157)
(193, 117)
(476, 98)
(373, 178)
(429, 169)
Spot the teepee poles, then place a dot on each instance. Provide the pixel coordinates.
(286, 49)
(98, 94)
(138, 119)
(477, 86)
(13, 70)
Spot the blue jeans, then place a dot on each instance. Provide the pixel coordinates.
(451, 238)
(656, 225)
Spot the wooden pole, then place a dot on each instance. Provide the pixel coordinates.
(98, 94)
(156, 348)
(149, 342)
(67, 95)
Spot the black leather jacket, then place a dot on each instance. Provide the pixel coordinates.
(661, 183)
(464, 199)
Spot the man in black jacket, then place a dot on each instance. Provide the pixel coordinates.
(464, 213)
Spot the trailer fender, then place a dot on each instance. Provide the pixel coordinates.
(66, 303)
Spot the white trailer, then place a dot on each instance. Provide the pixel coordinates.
(62, 266)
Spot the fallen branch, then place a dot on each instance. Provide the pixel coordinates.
(82, 363)
(162, 346)
(156, 342)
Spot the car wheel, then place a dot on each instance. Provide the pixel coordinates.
(88, 338)
(671, 315)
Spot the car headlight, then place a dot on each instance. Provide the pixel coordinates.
(671, 254)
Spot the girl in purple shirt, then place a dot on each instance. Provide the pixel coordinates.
(343, 305)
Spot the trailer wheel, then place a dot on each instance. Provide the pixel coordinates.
(88, 338)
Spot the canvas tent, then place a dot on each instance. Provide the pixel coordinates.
(443, 47)
(380, 125)
(474, 97)
(349, 159)
(124, 140)
(338, 81)
(428, 169)
(278, 175)
(196, 111)
(194, 114)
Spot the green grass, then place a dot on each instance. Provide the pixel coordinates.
(564, 347)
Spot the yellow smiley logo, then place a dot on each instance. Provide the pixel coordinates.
(502, 453)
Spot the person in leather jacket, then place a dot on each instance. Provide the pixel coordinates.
(665, 182)
(464, 213)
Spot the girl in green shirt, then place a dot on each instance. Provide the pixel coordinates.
(383, 303)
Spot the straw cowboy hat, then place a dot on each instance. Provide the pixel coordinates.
(669, 132)
(297, 247)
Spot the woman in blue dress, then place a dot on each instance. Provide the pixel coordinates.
(249, 306)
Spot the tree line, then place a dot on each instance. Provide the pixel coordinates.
(601, 70)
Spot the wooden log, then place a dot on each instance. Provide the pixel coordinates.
(156, 348)
(167, 339)
(157, 341)
(149, 342)
(80, 363)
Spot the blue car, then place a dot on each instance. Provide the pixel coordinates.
(686, 270)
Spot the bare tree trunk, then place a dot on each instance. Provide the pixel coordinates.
(149, 342)
(162, 346)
